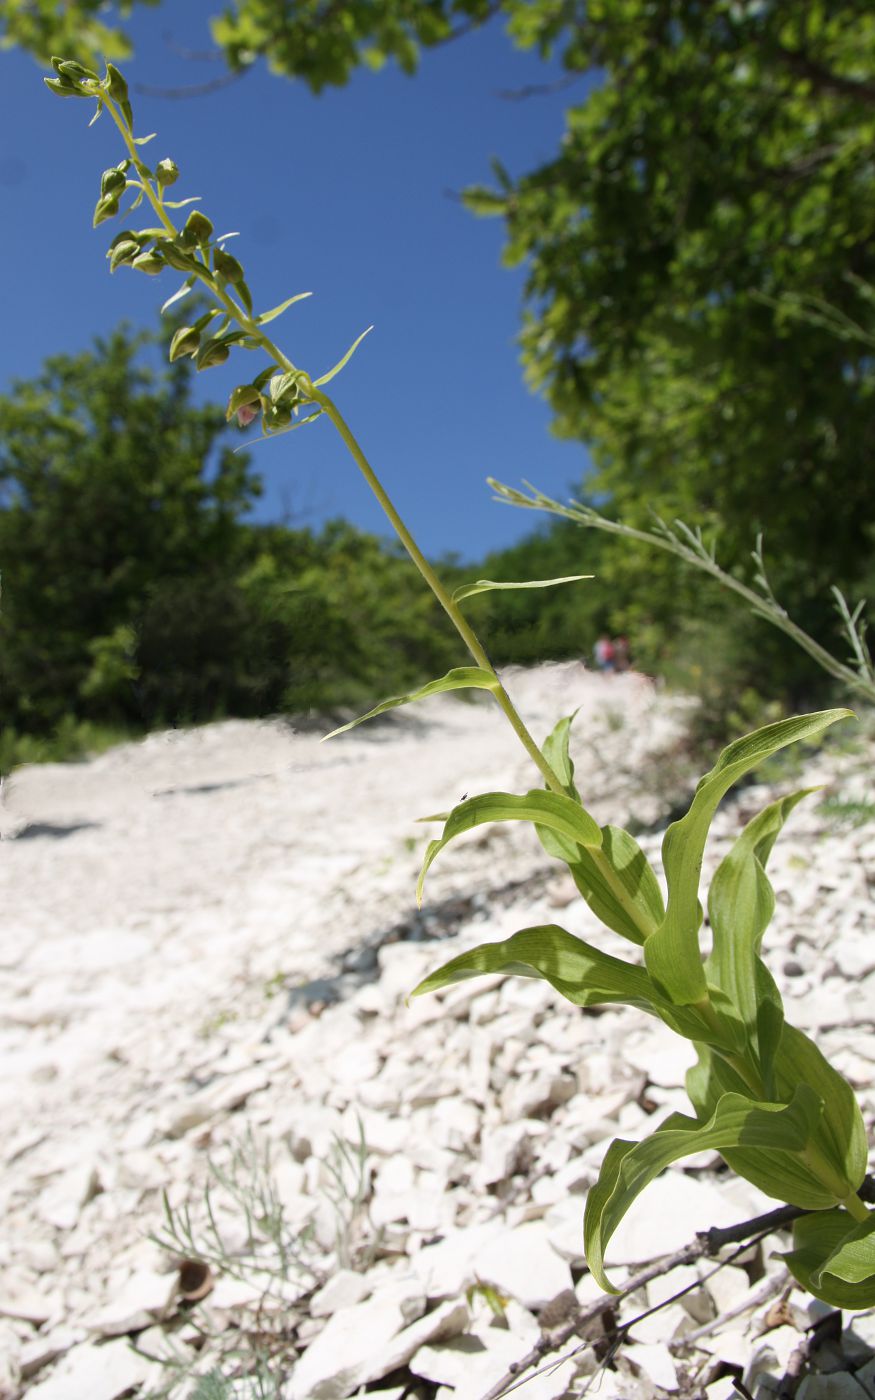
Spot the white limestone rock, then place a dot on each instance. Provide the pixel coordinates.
(523, 1264)
(100, 1372)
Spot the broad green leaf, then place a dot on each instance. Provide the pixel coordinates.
(461, 678)
(346, 359)
(549, 809)
(741, 903)
(828, 1237)
(278, 310)
(486, 585)
(672, 952)
(617, 881)
(628, 1166)
(581, 973)
(840, 1139)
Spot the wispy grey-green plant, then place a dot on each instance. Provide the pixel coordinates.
(764, 1095)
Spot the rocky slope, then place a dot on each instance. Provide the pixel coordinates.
(207, 943)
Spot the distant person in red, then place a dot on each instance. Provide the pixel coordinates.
(603, 654)
(622, 658)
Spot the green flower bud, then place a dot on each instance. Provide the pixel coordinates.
(245, 396)
(167, 172)
(186, 341)
(68, 68)
(227, 266)
(151, 263)
(112, 181)
(122, 253)
(61, 88)
(116, 85)
(178, 258)
(198, 229)
(106, 208)
(213, 353)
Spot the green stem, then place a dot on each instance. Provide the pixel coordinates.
(462, 626)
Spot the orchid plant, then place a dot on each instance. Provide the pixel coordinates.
(763, 1094)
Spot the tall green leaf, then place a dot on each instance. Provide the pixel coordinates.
(488, 585)
(741, 903)
(617, 882)
(629, 1166)
(549, 809)
(460, 678)
(672, 952)
(555, 749)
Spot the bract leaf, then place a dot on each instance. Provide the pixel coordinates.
(672, 952)
(629, 1166)
(555, 750)
(346, 359)
(486, 585)
(177, 296)
(144, 140)
(741, 903)
(460, 678)
(549, 809)
(182, 203)
(278, 310)
(584, 975)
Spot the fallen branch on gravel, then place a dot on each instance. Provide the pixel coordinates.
(706, 1245)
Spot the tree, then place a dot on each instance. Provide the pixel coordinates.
(715, 177)
(110, 479)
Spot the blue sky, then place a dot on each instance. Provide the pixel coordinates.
(347, 195)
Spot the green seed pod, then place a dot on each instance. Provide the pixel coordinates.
(115, 84)
(151, 263)
(198, 229)
(212, 353)
(227, 266)
(167, 172)
(112, 181)
(106, 208)
(122, 253)
(186, 341)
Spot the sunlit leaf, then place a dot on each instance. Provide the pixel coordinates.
(556, 751)
(485, 585)
(549, 809)
(672, 952)
(741, 903)
(181, 203)
(460, 678)
(278, 310)
(619, 884)
(583, 975)
(347, 357)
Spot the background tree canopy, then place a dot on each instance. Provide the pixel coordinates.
(700, 258)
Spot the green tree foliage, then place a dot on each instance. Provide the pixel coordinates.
(715, 177)
(136, 592)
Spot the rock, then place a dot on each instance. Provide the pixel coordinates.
(364, 1343)
(100, 1372)
(667, 1216)
(838, 1385)
(523, 1264)
(343, 1290)
(144, 1298)
(20, 1299)
(446, 1269)
(655, 1362)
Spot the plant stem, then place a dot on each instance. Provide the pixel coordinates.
(462, 626)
